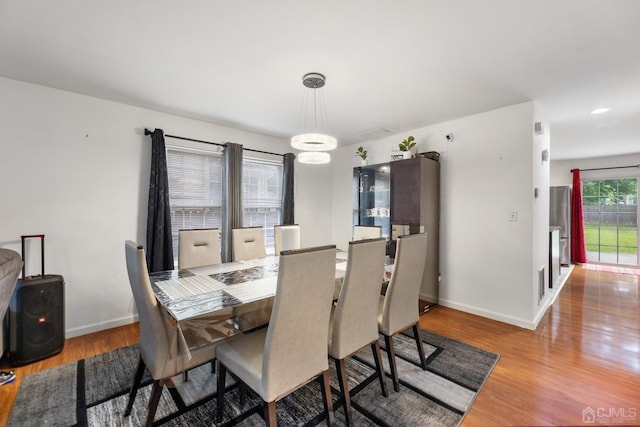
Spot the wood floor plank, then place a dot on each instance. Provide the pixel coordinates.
(74, 350)
(585, 353)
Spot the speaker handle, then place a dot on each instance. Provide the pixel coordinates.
(33, 236)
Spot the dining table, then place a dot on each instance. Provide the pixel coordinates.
(215, 302)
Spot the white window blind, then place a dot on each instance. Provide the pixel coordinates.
(195, 191)
(262, 196)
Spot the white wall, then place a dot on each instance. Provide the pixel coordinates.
(488, 263)
(540, 206)
(313, 204)
(76, 169)
(561, 169)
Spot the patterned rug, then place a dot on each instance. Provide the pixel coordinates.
(611, 268)
(93, 392)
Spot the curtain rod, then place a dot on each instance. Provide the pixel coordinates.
(148, 132)
(613, 167)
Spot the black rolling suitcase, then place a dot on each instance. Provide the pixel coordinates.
(36, 315)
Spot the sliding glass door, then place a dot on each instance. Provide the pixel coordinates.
(610, 208)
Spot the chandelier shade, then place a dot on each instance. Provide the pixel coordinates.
(314, 141)
(314, 157)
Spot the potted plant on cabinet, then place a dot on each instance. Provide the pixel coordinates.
(407, 147)
(362, 153)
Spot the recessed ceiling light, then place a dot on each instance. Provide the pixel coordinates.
(600, 110)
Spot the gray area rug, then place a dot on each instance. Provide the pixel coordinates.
(93, 392)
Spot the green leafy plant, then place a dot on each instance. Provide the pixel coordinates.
(407, 144)
(362, 153)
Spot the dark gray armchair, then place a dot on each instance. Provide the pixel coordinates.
(10, 266)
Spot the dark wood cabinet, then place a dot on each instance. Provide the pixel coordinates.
(405, 191)
(403, 197)
(415, 188)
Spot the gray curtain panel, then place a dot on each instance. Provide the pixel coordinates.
(231, 196)
(159, 242)
(287, 189)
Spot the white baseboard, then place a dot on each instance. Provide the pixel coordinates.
(101, 326)
(554, 292)
(516, 321)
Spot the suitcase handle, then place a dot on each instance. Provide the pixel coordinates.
(33, 236)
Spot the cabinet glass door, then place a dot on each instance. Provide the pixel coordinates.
(371, 197)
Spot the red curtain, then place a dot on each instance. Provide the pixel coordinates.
(578, 246)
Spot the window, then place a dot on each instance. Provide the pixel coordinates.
(610, 210)
(195, 190)
(262, 196)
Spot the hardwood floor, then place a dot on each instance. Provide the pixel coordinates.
(74, 350)
(584, 354)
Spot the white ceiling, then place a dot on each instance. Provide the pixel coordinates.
(390, 65)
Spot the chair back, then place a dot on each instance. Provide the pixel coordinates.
(362, 232)
(400, 305)
(198, 247)
(247, 243)
(355, 319)
(286, 237)
(154, 340)
(398, 230)
(297, 335)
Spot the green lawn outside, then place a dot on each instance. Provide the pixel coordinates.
(610, 237)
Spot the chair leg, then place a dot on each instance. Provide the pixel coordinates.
(377, 357)
(423, 361)
(134, 387)
(186, 376)
(156, 392)
(222, 373)
(270, 414)
(242, 392)
(392, 362)
(213, 366)
(325, 385)
(344, 389)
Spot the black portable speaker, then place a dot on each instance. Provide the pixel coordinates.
(36, 316)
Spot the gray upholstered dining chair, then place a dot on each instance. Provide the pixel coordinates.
(354, 319)
(286, 237)
(198, 247)
(398, 309)
(247, 243)
(155, 333)
(361, 232)
(292, 350)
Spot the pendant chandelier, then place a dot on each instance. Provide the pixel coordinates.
(314, 157)
(314, 144)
